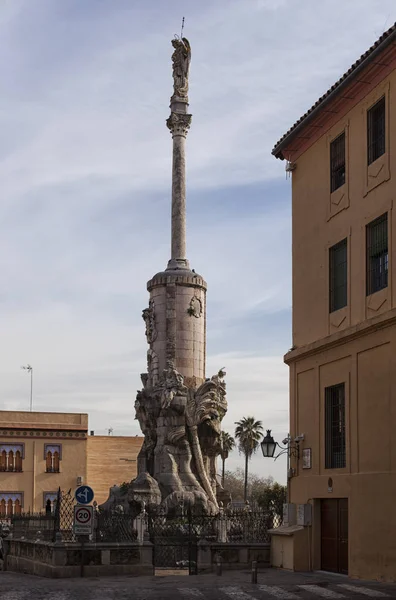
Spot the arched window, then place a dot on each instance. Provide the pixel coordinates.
(3, 460)
(11, 457)
(18, 461)
(10, 503)
(52, 455)
(17, 507)
(49, 502)
(11, 464)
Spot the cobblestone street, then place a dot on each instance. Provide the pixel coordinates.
(231, 586)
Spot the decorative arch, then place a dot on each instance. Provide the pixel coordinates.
(10, 503)
(11, 456)
(52, 456)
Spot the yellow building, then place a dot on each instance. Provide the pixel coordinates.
(343, 359)
(40, 452)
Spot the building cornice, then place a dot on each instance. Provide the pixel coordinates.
(342, 337)
(26, 432)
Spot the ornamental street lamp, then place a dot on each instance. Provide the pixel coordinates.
(291, 448)
(30, 369)
(268, 446)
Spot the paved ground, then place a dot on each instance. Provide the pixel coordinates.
(272, 584)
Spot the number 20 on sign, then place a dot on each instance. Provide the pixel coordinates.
(83, 520)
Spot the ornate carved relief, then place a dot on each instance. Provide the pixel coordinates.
(148, 315)
(182, 428)
(179, 123)
(195, 308)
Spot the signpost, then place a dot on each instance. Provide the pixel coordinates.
(83, 520)
(84, 494)
(83, 517)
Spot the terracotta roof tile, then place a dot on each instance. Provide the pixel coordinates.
(383, 40)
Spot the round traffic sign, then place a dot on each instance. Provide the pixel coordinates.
(84, 494)
(83, 516)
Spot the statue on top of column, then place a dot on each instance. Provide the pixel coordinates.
(181, 58)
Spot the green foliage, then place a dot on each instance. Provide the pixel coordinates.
(227, 444)
(248, 432)
(272, 499)
(263, 492)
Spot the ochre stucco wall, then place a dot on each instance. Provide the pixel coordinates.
(318, 223)
(356, 345)
(34, 430)
(105, 465)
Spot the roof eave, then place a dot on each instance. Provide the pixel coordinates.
(278, 149)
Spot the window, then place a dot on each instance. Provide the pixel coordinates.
(337, 162)
(10, 503)
(11, 456)
(49, 502)
(52, 457)
(335, 427)
(338, 275)
(376, 131)
(377, 255)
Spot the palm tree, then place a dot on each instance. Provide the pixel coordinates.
(227, 445)
(248, 432)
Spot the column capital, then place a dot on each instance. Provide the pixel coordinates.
(179, 123)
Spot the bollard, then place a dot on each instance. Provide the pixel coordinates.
(219, 566)
(254, 571)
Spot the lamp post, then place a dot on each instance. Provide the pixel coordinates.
(291, 448)
(30, 368)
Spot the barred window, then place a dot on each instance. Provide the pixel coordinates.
(376, 131)
(377, 254)
(335, 457)
(337, 162)
(338, 275)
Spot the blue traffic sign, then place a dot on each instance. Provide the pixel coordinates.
(84, 494)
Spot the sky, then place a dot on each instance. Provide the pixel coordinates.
(85, 179)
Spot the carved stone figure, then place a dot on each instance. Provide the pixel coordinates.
(182, 428)
(181, 58)
(148, 315)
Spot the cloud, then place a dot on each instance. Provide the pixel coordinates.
(85, 165)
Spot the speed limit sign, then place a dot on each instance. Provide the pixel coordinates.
(83, 520)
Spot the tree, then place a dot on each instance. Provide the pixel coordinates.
(272, 498)
(248, 432)
(227, 445)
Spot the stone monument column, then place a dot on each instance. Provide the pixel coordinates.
(179, 409)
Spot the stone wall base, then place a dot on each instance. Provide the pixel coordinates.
(65, 560)
(232, 555)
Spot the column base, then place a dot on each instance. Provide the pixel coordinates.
(178, 263)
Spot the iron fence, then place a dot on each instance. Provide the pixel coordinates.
(32, 526)
(115, 526)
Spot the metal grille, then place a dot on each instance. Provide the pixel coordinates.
(64, 516)
(337, 162)
(338, 275)
(113, 526)
(335, 427)
(376, 131)
(32, 526)
(377, 255)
